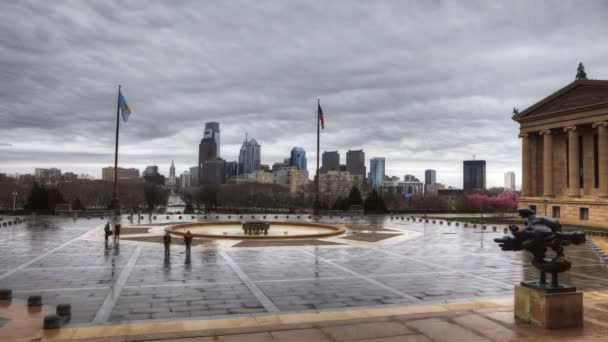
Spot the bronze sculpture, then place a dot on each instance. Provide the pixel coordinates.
(539, 234)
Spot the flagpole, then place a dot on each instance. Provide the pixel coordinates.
(317, 203)
(115, 204)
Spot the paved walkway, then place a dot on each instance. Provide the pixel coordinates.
(480, 321)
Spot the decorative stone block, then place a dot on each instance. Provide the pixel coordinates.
(548, 310)
(64, 310)
(34, 301)
(6, 294)
(52, 322)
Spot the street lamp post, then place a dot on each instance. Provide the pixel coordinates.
(14, 201)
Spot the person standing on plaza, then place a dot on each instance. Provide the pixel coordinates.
(167, 243)
(117, 232)
(188, 242)
(106, 230)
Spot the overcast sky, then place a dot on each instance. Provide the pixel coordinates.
(425, 84)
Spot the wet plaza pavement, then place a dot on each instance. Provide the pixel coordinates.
(67, 261)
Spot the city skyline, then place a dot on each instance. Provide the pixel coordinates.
(58, 103)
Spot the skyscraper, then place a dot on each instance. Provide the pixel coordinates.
(214, 172)
(249, 157)
(298, 158)
(212, 130)
(474, 175)
(207, 150)
(173, 181)
(355, 163)
(510, 181)
(430, 176)
(376, 172)
(330, 162)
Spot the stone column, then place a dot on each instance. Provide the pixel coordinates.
(602, 154)
(573, 167)
(526, 188)
(547, 163)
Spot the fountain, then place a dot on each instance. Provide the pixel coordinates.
(256, 230)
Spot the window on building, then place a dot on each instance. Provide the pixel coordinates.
(556, 212)
(596, 168)
(581, 175)
(533, 208)
(584, 213)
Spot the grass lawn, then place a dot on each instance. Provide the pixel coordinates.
(515, 220)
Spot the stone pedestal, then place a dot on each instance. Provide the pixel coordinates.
(548, 310)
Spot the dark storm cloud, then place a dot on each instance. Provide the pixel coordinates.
(425, 84)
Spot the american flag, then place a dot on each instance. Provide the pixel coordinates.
(320, 113)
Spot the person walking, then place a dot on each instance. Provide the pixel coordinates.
(188, 242)
(117, 232)
(167, 243)
(107, 232)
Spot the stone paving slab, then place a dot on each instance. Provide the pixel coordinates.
(184, 301)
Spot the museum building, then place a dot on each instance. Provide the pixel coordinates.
(565, 154)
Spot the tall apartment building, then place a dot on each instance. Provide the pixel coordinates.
(330, 161)
(355, 163)
(474, 175)
(510, 181)
(376, 172)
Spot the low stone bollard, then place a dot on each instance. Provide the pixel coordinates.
(52, 322)
(64, 310)
(276, 217)
(6, 294)
(483, 227)
(449, 223)
(154, 217)
(494, 228)
(168, 217)
(474, 226)
(217, 217)
(34, 301)
(465, 225)
(456, 224)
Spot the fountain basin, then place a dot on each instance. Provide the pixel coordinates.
(278, 230)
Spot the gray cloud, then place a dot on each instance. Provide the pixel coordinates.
(425, 84)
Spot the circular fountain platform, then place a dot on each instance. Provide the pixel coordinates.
(278, 230)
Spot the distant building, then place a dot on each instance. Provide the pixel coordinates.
(292, 178)
(259, 176)
(330, 162)
(431, 189)
(280, 166)
(510, 181)
(212, 131)
(410, 186)
(474, 175)
(355, 163)
(214, 172)
(124, 175)
(450, 193)
(430, 176)
(172, 182)
(25, 179)
(249, 157)
(194, 172)
(184, 180)
(376, 172)
(207, 150)
(47, 176)
(69, 177)
(151, 176)
(337, 183)
(298, 158)
(232, 170)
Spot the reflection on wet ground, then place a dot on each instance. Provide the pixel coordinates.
(111, 282)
